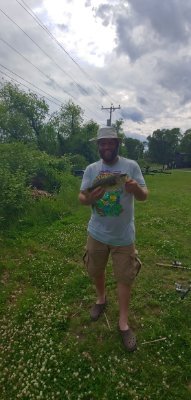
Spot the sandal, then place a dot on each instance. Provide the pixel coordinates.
(128, 339)
(97, 310)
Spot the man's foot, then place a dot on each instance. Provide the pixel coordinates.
(128, 339)
(97, 310)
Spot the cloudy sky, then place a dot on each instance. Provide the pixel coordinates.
(132, 53)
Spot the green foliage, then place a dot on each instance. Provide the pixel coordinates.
(134, 148)
(48, 139)
(68, 193)
(14, 194)
(18, 156)
(22, 167)
(40, 169)
(79, 144)
(163, 144)
(185, 145)
(21, 114)
(47, 210)
(90, 129)
(78, 162)
(142, 162)
(67, 120)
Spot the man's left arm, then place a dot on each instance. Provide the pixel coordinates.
(136, 184)
(140, 192)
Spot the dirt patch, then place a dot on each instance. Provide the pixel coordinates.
(156, 310)
(13, 297)
(5, 277)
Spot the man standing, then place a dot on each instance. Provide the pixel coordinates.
(111, 229)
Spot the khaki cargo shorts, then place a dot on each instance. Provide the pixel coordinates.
(126, 264)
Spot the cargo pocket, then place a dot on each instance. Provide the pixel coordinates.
(86, 259)
(138, 265)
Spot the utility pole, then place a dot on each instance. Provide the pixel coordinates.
(111, 109)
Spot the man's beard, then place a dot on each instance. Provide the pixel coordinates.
(108, 155)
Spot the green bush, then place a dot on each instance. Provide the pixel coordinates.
(41, 170)
(78, 162)
(18, 156)
(14, 195)
(23, 167)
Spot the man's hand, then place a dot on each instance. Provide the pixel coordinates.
(138, 191)
(89, 198)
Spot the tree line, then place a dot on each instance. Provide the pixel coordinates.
(24, 117)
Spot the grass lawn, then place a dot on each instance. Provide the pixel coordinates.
(49, 347)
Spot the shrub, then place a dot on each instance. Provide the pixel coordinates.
(41, 170)
(14, 194)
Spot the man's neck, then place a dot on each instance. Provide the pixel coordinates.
(111, 162)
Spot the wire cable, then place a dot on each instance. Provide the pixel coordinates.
(101, 90)
(35, 92)
(14, 73)
(47, 55)
(47, 76)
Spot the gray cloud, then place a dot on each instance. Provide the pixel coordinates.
(170, 19)
(175, 76)
(142, 100)
(105, 11)
(62, 27)
(133, 114)
(88, 3)
(125, 41)
(142, 26)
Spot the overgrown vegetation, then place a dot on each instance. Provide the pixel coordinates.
(49, 347)
(23, 168)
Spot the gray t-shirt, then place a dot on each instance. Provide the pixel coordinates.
(112, 218)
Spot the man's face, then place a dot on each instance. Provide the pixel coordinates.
(108, 149)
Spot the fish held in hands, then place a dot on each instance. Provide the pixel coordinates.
(110, 182)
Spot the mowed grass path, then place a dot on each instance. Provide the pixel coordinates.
(49, 347)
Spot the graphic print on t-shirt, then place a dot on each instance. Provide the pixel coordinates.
(109, 205)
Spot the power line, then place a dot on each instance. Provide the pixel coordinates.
(52, 37)
(28, 83)
(4, 73)
(48, 77)
(69, 94)
(47, 55)
(101, 90)
(15, 80)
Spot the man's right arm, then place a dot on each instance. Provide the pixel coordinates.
(89, 198)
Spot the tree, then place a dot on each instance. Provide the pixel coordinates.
(183, 157)
(90, 129)
(68, 120)
(163, 144)
(48, 139)
(118, 126)
(89, 148)
(22, 114)
(134, 148)
(185, 144)
(67, 125)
